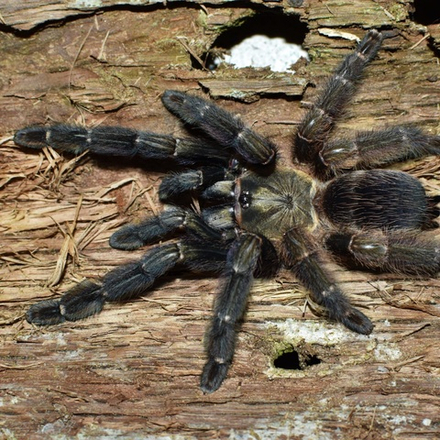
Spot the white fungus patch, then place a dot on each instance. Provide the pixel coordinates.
(80, 4)
(262, 51)
(315, 332)
(300, 425)
(387, 352)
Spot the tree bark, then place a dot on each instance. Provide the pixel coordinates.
(133, 371)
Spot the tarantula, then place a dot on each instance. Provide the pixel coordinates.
(257, 216)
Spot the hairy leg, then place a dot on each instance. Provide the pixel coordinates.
(372, 149)
(121, 142)
(150, 230)
(125, 282)
(176, 185)
(300, 256)
(221, 126)
(154, 229)
(129, 281)
(399, 251)
(318, 122)
(229, 307)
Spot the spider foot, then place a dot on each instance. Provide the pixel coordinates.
(335, 306)
(354, 320)
(213, 376)
(85, 299)
(45, 313)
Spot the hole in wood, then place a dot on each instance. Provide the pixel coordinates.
(292, 360)
(426, 12)
(269, 38)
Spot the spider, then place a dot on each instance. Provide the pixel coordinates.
(256, 216)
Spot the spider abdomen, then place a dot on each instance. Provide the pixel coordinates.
(377, 199)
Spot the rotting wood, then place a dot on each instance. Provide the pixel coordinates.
(133, 370)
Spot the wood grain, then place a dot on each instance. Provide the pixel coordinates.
(133, 371)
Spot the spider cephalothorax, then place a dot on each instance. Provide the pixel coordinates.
(256, 216)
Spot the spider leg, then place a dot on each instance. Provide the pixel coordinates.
(128, 281)
(160, 227)
(221, 126)
(402, 251)
(318, 122)
(124, 282)
(121, 142)
(385, 199)
(177, 184)
(229, 307)
(149, 231)
(372, 149)
(300, 257)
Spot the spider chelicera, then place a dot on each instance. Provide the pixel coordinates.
(256, 216)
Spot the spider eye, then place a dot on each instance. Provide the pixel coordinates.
(245, 199)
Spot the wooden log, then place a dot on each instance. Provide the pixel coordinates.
(133, 370)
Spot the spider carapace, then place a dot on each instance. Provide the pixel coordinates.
(256, 216)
